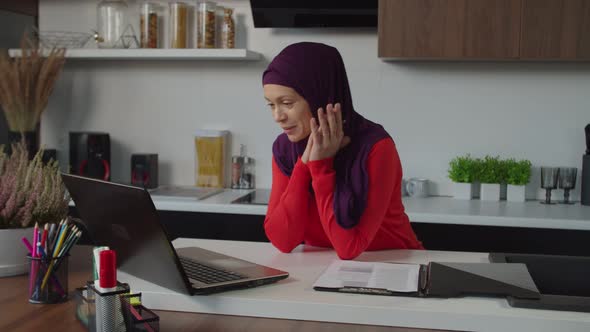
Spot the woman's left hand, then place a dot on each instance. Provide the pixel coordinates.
(328, 137)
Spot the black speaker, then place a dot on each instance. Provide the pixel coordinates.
(144, 170)
(585, 194)
(90, 155)
(49, 155)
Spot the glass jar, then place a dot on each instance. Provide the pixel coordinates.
(228, 29)
(236, 171)
(148, 25)
(247, 178)
(206, 25)
(111, 22)
(178, 25)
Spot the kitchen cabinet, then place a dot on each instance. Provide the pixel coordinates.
(484, 29)
(449, 29)
(556, 29)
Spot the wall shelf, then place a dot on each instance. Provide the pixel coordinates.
(157, 54)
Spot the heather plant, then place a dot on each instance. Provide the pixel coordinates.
(30, 191)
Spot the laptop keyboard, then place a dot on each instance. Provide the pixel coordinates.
(207, 274)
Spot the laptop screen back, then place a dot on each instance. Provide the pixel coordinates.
(125, 219)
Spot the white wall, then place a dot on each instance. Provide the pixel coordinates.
(433, 110)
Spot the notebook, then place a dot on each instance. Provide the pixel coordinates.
(125, 219)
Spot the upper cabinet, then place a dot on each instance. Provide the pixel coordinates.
(484, 29)
(556, 29)
(449, 28)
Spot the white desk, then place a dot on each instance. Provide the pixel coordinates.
(294, 298)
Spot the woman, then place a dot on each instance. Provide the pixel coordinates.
(336, 177)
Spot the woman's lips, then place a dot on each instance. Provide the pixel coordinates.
(289, 130)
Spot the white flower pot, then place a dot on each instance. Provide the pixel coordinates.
(13, 252)
(464, 190)
(515, 193)
(490, 192)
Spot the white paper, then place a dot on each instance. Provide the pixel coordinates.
(390, 276)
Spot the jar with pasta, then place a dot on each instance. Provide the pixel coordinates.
(210, 153)
(206, 24)
(228, 29)
(149, 25)
(178, 25)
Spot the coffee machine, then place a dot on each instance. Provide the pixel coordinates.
(585, 194)
(90, 155)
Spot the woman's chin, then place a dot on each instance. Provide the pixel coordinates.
(294, 138)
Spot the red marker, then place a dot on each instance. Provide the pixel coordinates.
(107, 277)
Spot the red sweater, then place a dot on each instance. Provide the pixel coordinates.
(296, 215)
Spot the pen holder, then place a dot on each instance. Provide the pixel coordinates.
(107, 307)
(135, 317)
(48, 280)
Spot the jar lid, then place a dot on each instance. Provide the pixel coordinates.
(237, 159)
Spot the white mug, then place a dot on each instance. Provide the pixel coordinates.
(417, 187)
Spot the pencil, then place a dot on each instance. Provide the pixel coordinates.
(55, 252)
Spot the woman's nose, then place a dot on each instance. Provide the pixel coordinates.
(279, 115)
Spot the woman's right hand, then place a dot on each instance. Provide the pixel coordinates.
(307, 152)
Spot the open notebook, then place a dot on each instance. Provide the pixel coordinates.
(434, 279)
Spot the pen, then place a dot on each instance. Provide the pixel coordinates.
(44, 237)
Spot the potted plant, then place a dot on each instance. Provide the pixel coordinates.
(30, 192)
(490, 175)
(26, 82)
(518, 174)
(462, 171)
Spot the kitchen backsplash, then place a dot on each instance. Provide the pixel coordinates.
(433, 110)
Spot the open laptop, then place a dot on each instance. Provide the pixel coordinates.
(125, 219)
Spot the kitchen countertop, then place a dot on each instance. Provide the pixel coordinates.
(436, 209)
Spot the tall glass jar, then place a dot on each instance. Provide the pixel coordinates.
(111, 22)
(149, 25)
(228, 29)
(206, 24)
(178, 25)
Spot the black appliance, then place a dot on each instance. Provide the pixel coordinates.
(256, 197)
(90, 155)
(144, 170)
(316, 13)
(585, 194)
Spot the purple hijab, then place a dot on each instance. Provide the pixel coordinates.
(316, 71)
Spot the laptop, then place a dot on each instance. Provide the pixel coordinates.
(125, 219)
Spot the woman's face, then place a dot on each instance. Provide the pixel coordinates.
(290, 111)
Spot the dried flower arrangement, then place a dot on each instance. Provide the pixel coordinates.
(30, 191)
(26, 82)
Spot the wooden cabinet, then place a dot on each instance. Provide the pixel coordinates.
(555, 29)
(482, 29)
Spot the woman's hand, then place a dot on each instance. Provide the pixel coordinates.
(305, 156)
(327, 138)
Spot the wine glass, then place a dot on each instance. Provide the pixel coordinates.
(549, 176)
(567, 181)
